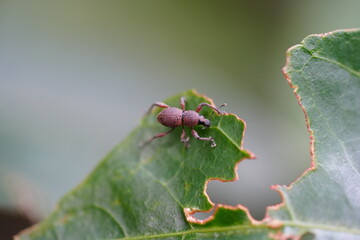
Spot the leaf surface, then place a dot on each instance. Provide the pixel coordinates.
(144, 193)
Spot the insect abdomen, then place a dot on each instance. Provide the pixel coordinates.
(170, 117)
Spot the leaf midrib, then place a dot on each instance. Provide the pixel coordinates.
(249, 227)
(311, 226)
(246, 227)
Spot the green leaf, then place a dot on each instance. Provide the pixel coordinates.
(136, 193)
(150, 192)
(324, 70)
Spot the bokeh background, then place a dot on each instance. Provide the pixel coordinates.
(77, 76)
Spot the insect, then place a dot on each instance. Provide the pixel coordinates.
(175, 117)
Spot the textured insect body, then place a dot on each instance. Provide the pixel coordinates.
(191, 118)
(171, 117)
(175, 117)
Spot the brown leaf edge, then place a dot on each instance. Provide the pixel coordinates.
(313, 161)
(190, 212)
(271, 223)
(275, 225)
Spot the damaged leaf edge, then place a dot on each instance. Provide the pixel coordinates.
(189, 212)
(313, 161)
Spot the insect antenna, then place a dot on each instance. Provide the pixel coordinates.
(222, 105)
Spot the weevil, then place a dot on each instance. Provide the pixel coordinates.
(175, 117)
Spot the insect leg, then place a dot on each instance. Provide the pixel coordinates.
(184, 139)
(201, 105)
(156, 136)
(196, 135)
(182, 103)
(157, 104)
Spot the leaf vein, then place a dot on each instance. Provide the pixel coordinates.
(244, 228)
(349, 69)
(163, 185)
(111, 216)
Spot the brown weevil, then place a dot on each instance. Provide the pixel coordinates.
(175, 117)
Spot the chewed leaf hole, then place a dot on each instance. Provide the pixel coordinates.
(249, 190)
(203, 215)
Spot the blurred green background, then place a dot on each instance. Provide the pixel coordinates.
(76, 77)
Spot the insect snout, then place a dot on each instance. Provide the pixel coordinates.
(205, 122)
